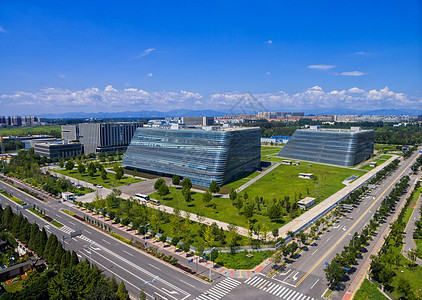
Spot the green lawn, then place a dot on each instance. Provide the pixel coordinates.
(368, 291)
(96, 179)
(240, 260)
(14, 287)
(53, 130)
(224, 210)
(284, 181)
(238, 183)
(379, 162)
(403, 271)
(385, 157)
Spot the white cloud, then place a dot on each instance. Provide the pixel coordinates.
(149, 75)
(321, 67)
(110, 99)
(146, 52)
(361, 53)
(352, 73)
(270, 42)
(2, 29)
(62, 76)
(268, 73)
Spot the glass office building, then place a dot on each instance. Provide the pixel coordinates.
(343, 147)
(202, 155)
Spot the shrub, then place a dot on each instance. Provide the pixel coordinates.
(163, 238)
(175, 241)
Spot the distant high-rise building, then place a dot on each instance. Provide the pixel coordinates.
(198, 121)
(101, 137)
(70, 132)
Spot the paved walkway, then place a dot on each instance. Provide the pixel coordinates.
(408, 241)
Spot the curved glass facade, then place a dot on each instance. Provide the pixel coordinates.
(337, 147)
(201, 155)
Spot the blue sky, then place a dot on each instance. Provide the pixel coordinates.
(160, 55)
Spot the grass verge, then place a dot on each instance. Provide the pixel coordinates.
(368, 291)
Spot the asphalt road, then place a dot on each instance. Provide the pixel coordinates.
(306, 273)
(304, 279)
(128, 263)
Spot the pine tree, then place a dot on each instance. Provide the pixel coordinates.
(41, 242)
(74, 260)
(142, 295)
(58, 254)
(113, 284)
(122, 292)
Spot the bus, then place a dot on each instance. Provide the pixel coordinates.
(153, 201)
(142, 198)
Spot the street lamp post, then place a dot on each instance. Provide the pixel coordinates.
(145, 236)
(90, 252)
(152, 285)
(355, 236)
(211, 262)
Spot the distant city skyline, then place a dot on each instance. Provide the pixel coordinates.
(133, 56)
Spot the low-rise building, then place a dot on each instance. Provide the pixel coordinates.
(305, 203)
(58, 149)
(373, 164)
(306, 175)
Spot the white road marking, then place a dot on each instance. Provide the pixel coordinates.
(328, 238)
(187, 283)
(155, 267)
(72, 223)
(127, 253)
(314, 283)
(314, 251)
(105, 241)
(87, 231)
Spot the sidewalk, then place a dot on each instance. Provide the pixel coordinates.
(408, 241)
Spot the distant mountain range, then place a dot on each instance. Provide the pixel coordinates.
(211, 113)
(135, 114)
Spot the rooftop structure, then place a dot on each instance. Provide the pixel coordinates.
(343, 147)
(305, 203)
(202, 154)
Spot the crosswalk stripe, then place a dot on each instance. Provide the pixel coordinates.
(254, 280)
(274, 288)
(257, 282)
(268, 286)
(282, 294)
(294, 295)
(219, 290)
(287, 296)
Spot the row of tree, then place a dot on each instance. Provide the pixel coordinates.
(66, 277)
(385, 266)
(341, 263)
(385, 133)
